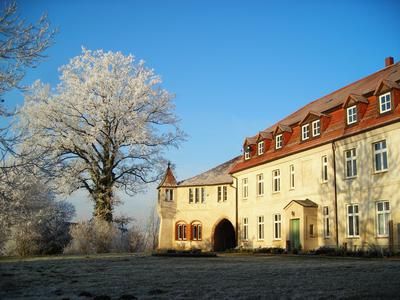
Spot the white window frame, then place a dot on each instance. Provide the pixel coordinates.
(245, 188)
(316, 128)
(203, 195)
(276, 181)
(260, 184)
(260, 228)
(247, 152)
(219, 193)
(385, 212)
(355, 220)
(292, 177)
(350, 163)
(380, 154)
(196, 231)
(261, 147)
(385, 103)
(352, 114)
(224, 193)
(277, 227)
(327, 227)
(169, 195)
(196, 195)
(305, 132)
(245, 234)
(191, 197)
(278, 141)
(181, 232)
(324, 169)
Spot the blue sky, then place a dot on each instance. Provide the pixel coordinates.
(236, 67)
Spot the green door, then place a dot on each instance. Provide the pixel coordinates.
(295, 233)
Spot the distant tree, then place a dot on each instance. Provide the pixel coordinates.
(21, 47)
(152, 228)
(104, 128)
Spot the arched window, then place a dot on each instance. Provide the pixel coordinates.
(180, 231)
(196, 231)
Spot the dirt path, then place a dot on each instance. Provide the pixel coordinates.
(145, 277)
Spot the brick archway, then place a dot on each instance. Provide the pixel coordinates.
(224, 236)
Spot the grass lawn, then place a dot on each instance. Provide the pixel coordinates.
(227, 276)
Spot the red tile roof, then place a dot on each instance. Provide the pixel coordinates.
(331, 105)
(169, 178)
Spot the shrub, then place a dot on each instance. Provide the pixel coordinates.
(99, 236)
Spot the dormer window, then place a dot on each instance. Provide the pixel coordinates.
(247, 153)
(305, 132)
(278, 141)
(352, 115)
(316, 128)
(385, 103)
(261, 148)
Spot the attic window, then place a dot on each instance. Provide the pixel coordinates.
(305, 132)
(385, 103)
(247, 152)
(352, 115)
(316, 128)
(260, 148)
(278, 141)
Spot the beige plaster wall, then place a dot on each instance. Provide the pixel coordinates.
(209, 213)
(308, 184)
(369, 187)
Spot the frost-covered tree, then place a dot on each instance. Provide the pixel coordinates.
(103, 128)
(31, 220)
(22, 46)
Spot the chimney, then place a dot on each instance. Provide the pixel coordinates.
(389, 61)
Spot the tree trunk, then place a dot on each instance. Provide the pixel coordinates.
(103, 194)
(102, 198)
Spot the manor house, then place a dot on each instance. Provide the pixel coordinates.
(326, 175)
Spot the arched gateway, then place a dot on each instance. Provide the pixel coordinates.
(224, 236)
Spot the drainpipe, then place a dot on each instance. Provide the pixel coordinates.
(236, 211)
(335, 185)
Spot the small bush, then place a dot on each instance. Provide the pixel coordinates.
(99, 236)
(325, 251)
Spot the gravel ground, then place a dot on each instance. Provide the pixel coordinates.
(223, 277)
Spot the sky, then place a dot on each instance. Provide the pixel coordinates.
(236, 67)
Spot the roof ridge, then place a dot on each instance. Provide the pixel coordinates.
(335, 91)
(232, 160)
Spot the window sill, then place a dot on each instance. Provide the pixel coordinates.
(382, 237)
(380, 172)
(352, 123)
(324, 182)
(276, 192)
(327, 237)
(382, 113)
(353, 237)
(351, 177)
(277, 240)
(292, 189)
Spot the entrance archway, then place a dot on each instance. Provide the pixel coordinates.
(224, 236)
